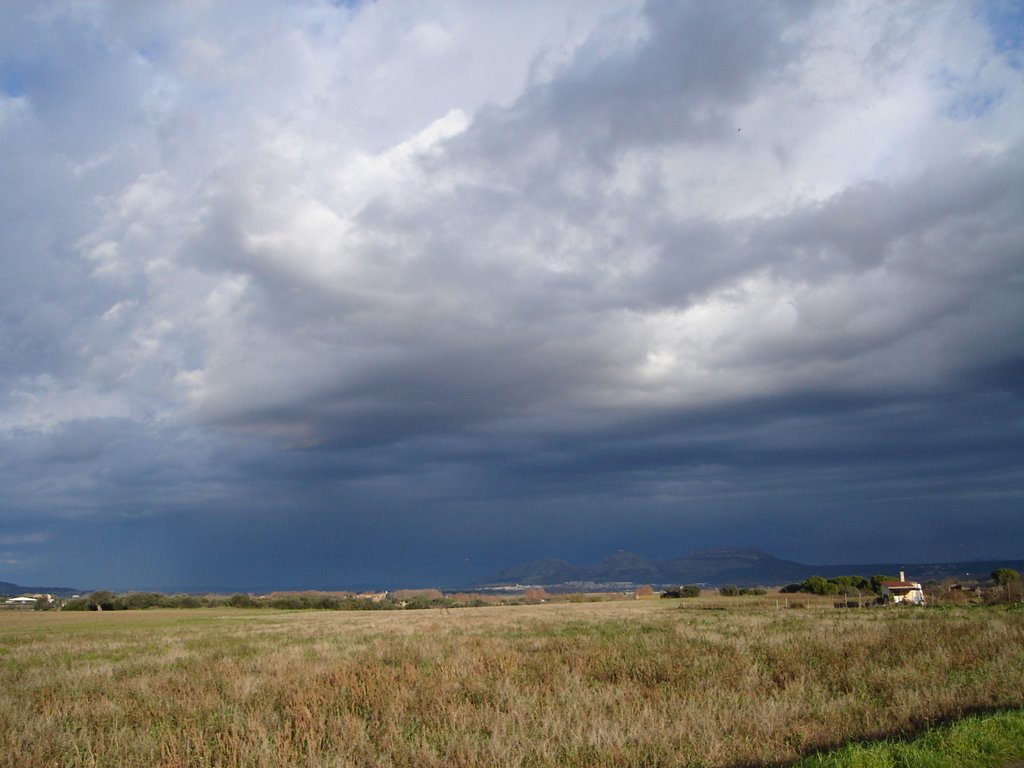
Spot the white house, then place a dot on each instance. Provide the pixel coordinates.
(26, 601)
(903, 591)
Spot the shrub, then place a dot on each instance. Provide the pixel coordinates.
(839, 585)
(851, 584)
(1005, 576)
(101, 600)
(138, 600)
(877, 579)
(183, 601)
(690, 590)
(818, 585)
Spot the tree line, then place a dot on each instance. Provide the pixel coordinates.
(104, 600)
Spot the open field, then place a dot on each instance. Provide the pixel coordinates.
(652, 683)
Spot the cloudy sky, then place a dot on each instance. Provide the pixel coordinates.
(308, 294)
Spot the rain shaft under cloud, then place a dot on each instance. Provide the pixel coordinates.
(313, 295)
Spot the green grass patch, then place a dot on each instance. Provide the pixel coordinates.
(981, 741)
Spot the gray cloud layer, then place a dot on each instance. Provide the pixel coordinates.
(438, 283)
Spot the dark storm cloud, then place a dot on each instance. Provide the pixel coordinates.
(656, 276)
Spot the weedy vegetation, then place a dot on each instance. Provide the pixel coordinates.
(644, 683)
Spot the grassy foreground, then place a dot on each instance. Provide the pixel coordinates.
(593, 684)
(984, 741)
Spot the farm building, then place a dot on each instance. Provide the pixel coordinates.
(24, 601)
(902, 591)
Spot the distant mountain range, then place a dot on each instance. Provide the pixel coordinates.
(743, 567)
(712, 567)
(7, 589)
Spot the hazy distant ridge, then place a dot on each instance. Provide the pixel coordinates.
(9, 589)
(744, 567)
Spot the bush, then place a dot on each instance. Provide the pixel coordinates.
(849, 585)
(138, 600)
(419, 602)
(731, 590)
(690, 590)
(876, 582)
(839, 585)
(238, 600)
(1005, 576)
(101, 600)
(183, 601)
(817, 585)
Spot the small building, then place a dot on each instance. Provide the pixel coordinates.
(21, 601)
(902, 592)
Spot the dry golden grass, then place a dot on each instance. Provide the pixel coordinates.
(643, 683)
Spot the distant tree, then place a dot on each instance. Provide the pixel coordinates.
(286, 602)
(729, 590)
(418, 602)
(76, 604)
(430, 594)
(877, 579)
(690, 590)
(325, 602)
(1009, 580)
(1004, 577)
(183, 601)
(851, 585)
(821, 586)
(840, 585)
(240, 600)
(138, 600)
(100, 600)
